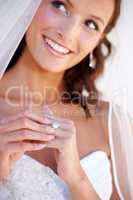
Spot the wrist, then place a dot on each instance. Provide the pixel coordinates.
(76, 177)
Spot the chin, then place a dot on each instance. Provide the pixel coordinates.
(52, 69)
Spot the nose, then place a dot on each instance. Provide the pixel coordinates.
(69, 30)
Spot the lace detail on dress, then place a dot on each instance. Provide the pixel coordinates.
(31, 180)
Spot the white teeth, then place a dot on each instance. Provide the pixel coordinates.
(57, 47)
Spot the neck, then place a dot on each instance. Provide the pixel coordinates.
(39, 84)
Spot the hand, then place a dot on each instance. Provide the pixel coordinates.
(20, 133)
(66, 153)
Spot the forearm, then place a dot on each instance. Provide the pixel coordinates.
(81, 188)
(4, 168)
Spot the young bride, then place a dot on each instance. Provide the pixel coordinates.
(64, 126)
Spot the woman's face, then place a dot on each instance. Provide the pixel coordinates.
(63, 32)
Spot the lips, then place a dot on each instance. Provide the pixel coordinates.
(55, 48)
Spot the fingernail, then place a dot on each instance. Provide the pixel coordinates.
(50, 130)
(47, 121)
(40, 146)
(47, 109)
(51, 137)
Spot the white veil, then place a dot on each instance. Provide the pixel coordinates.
(15, 18)
(116, 85)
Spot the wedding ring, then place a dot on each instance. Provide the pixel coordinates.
(55, 125)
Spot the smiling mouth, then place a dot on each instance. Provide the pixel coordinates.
(55, 48)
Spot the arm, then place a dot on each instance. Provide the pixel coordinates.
(68, 161)
(81, 188)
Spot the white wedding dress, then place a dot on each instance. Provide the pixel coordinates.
(31, 180)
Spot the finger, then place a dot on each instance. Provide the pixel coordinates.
(62, 134)
(36, 117)
(26, 123)
(27, 135)
(14, 117)
(50, 116)
(59, 119)
(47, 110)
(57, 144)
(69, 126)
(28, 114)
(23, 147)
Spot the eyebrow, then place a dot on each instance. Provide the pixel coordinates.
(93, 16)
(70, 3)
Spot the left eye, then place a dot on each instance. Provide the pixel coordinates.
(92, 25)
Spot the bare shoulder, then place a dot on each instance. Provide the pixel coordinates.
(99, 113)
(103, 107)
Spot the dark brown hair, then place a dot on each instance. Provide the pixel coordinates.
(82, 76)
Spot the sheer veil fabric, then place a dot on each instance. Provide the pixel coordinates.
(120, 126)
(116, 86)
(15, 17)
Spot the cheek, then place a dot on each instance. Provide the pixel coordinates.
(89, 42)
(32, 37)
(86, 45)
(42, 23)
(47, 19)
